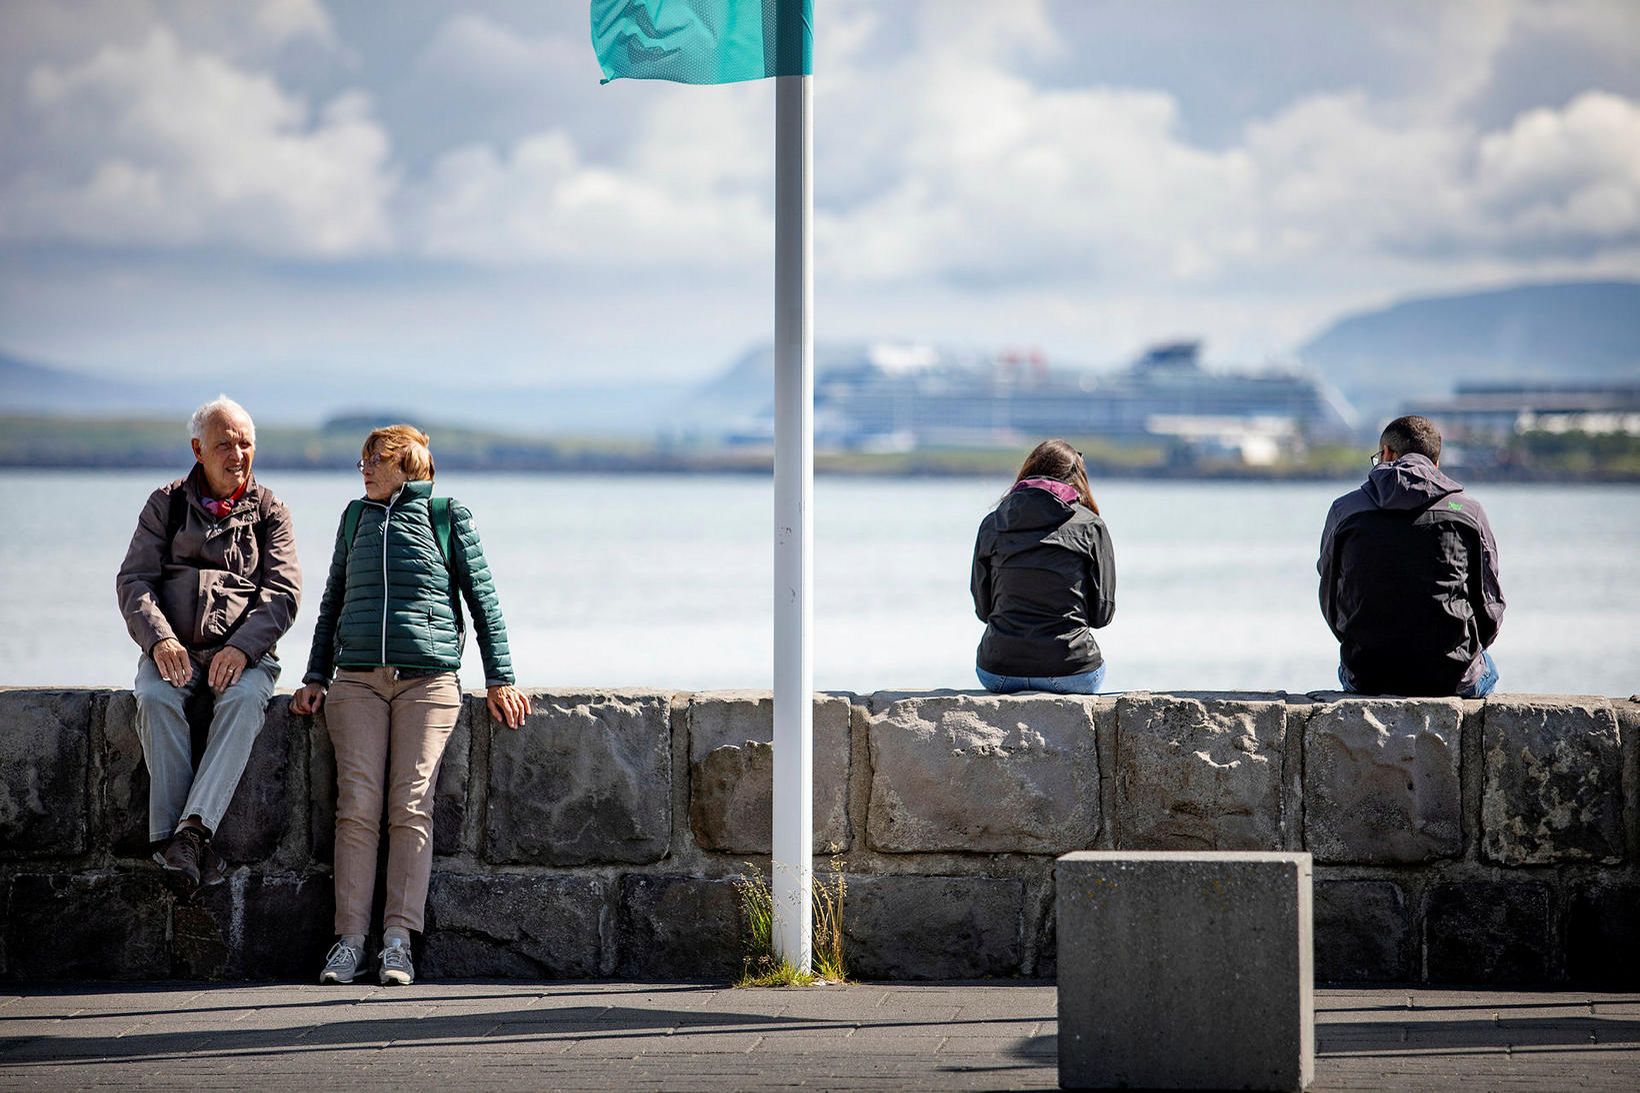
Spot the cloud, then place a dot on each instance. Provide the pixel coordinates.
(160, 145)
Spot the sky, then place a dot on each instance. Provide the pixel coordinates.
(416, 191)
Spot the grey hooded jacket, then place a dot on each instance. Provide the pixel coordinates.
(1409, 581)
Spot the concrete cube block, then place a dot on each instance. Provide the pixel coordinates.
(988, 774)
(255, 926)
(88, 926)
(587, 779)
(1199, 772)
(45, 749)
(513, 927)
(731, 771)
(675, 927)
(1185, 970)
(1603, 934)
(1363, 932)
(1492, 932)
(920, 927)
(1554, 781)
(1381, 781)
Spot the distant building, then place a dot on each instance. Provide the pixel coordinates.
(1480, 412)
(905, 397)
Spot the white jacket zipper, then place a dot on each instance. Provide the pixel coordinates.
(387, 517)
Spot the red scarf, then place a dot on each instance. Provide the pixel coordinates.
(221, 508)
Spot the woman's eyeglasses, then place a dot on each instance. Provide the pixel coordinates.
(373, 462)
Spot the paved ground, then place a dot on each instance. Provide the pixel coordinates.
(485, 1035)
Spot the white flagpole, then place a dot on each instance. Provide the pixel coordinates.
(793, 878)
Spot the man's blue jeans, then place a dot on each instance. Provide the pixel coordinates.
(1083, 683)
(1481, 688)
(175, 789)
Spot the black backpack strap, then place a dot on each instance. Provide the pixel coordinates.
(175, 517)
(350, 521)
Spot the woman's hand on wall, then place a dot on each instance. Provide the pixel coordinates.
(308, 699)
(508, 705)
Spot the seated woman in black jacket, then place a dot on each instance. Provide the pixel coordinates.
(1044, 578)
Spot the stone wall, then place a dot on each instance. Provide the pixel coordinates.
(1455, 842)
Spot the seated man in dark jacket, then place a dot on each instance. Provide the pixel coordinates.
(209, 584)
(1409, 575)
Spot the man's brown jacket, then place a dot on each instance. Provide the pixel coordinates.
(229, 581)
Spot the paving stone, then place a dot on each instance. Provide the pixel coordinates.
(1553, 790)
(513, 927)
(88, 926)
(44, 753)
(1492, 932)
(258, 817)
(1199, 772)
(1381, 781)
(731, 771)
(679, 928)
(1363, 932)
(1603, 934)
(984, 774)
(256, 926)
(918, 927)
(586, 780)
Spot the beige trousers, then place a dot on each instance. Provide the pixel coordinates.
(389, 735)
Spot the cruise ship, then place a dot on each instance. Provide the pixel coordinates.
(899, 397)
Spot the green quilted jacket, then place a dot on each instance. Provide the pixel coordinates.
(390, 600)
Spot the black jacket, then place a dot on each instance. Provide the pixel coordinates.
(1044, 576)
(1409, 581)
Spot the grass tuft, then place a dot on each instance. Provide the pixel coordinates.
(762, 967)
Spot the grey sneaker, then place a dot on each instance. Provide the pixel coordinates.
(397, 971)
(341, 963)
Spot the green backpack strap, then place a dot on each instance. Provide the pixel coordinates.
(350, 521)
(440, 509)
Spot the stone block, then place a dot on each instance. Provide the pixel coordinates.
(1553, 785)
(1185, 970)
(1199, 772)
(322, 791)
(88, 926)
(45, 752)
(255, 926)
(984, 774)
(731, 771)
(450, 790)
(1363, 932)
(679, 928)
(1488, 932)
(513, 927)
(1381, 781)
(258, 817)
(920, 927)
(587, 779)
(1603, 935)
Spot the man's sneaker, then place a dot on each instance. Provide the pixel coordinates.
(397, 971)
(341, 963)
(212, 869)
(179, 857)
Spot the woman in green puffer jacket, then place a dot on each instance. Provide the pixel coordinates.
(390, 630)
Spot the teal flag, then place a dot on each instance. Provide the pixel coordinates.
(703, 41)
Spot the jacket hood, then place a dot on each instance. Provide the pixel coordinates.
(1411, 482)
(1033, 507)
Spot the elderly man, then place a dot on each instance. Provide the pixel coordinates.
(1409, 575)
(209, 584)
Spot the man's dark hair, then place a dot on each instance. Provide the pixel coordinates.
(1412, 435)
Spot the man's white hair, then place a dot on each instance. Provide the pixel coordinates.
(220, 406)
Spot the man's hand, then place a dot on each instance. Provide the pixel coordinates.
(308, 699)
(172, 661)
(508, 705)
(226, 668)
